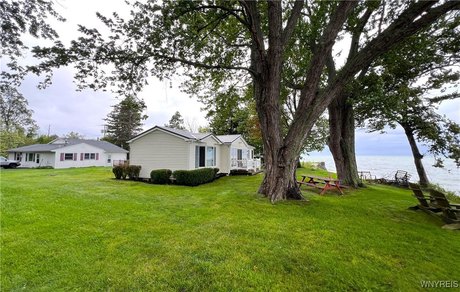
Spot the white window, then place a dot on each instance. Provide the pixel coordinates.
(30, 157)
(90, 156)
(205, 156)
(240, 154)
(109, 158)
(68, 156)
(210, 156)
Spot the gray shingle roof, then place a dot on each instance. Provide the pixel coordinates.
(182, 133)
(104, 145)
(228, 138)
(189, 135)
(35, 148)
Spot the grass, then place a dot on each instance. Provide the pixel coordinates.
(79, 229)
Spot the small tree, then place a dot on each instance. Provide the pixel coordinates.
(15, 114)
(125, 121)
(74, 135)
(17, 127)
(176, 122)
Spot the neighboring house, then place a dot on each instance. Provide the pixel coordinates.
(162, 147)
(65, 153)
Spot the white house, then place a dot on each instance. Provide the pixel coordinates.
(162, 147)
(65, 153)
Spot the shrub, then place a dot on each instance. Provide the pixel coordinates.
(133, 171)
(120, 171)
(195, 177)
(239, 172)
(160, 176)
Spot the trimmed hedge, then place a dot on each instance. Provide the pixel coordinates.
(195, 177)
(125, 170)
(120, 171)
(239, 172)
(133, 171)
(160, 176)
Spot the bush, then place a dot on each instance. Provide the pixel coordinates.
(133, 171)
(160, 176)
(120, 171)
(239, 172)
(195, 177)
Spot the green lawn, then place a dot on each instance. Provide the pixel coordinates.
(79, 229)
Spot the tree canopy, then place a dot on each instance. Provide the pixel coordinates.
(15, 114)
(176, 121)
(125, 121)
(406, 92)
(21, 18)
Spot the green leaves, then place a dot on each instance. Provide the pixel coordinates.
(125, 121)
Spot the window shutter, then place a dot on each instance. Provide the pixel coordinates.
(97, 156)
(62, 156)
(197, 156)
(75, 156)
(81, 156)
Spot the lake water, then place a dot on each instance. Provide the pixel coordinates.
(386, 166)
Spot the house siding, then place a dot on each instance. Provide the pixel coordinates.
(208, 142)
(78, 149)
(239, 144)
(224, 158)
(45, 159)
(158, 150)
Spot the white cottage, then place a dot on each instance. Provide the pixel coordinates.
(163, 147)
(66, 153)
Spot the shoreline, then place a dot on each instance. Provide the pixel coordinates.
(386, 167)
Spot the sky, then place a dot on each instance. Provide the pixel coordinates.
(61, 109)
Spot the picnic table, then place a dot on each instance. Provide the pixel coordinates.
(323, 183)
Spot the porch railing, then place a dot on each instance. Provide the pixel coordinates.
(249, 164)
(120, 162)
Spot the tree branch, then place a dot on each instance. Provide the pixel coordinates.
(254, 25)
(407, 24)
(292, 21)
(206, 66)
(315, 70)
(226, 9)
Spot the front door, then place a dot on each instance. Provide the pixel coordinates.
(239, 155)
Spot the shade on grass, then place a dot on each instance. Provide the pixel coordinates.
(79, 229)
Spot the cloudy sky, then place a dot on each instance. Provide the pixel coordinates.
(62, 109)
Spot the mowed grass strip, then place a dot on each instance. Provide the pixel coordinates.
(80, 229)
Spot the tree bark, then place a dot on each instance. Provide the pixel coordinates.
(423, 178)
(342, 140)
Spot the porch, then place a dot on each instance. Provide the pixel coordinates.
(252, 165)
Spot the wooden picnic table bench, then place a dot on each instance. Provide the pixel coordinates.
(323, 183)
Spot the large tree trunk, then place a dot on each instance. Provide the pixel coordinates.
(342, 140)
(423, 178)
(280, 157)
(279, 182)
